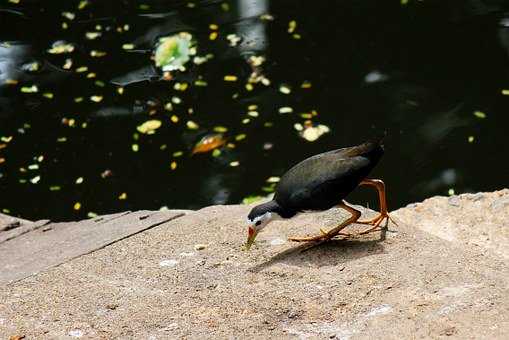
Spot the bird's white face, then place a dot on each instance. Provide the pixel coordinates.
(257, 224)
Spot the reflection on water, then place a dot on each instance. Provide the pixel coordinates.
(89, 125)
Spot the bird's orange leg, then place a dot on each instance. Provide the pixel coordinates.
(325, 236)
(384, 214)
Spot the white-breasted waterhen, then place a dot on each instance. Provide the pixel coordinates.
(319, 183)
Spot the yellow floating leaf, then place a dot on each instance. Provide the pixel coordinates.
(122, 196)
(220, 129)
(312, 133)
(306, 85)
(83, 4)
(292, 25)
(61, 47)
(92, 35)
(29, 89)
(77, 206)
(480, 114)
(285, 89)
(173, 165)
(149, 126)
(97, 54)
(234, 163)
(192, 125)
(230, 77)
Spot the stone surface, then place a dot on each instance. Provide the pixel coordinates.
(156, 285)
(475, 220)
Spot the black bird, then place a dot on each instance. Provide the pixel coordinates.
(319, 183)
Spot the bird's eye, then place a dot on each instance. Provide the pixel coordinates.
(258, 222)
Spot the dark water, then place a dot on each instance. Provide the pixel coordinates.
(418, 70)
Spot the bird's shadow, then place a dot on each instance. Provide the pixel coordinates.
(333, 252)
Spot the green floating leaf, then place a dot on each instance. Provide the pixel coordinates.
(173, 52)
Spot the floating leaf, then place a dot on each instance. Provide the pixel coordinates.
(233, 39)
(220, 129)
(230, 77)
(240, 137)
(292, 25)
(192, 125)
(29, 89)
(61, 47)
(480, 114)
(208, 143)
(92, 35)
(312, 133)
(213, 35)
(173, 52)
(149, 126)
(285, 89)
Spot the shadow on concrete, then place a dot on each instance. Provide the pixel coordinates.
(328, 253)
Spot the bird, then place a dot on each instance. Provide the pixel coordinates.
(320, 183)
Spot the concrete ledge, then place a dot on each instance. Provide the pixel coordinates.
(189, 278)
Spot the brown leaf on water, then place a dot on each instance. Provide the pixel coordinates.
(209, 143)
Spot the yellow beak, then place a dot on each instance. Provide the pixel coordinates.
(251, 236)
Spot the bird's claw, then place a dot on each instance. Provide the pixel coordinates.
(375, 222)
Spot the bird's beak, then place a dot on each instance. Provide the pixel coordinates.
(251, 235)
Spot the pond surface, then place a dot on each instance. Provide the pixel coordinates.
(73, 143)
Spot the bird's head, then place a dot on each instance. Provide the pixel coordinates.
(258, 219)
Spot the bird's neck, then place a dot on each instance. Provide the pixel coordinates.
(276, 209)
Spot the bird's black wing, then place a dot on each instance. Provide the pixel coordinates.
(322, 181)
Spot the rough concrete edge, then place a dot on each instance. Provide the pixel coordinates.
(178, 215)
(468, 195)
(40, 223)
(23, 230)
